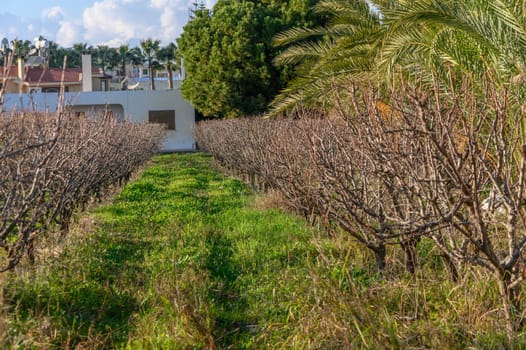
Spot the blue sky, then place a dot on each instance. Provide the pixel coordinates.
(96, 22)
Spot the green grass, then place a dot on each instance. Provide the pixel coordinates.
(178, 259)
(182, 258)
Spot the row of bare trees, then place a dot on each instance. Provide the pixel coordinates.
(53, 164)
(390, 167)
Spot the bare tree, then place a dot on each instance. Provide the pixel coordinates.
(460, 153)
(53, 164)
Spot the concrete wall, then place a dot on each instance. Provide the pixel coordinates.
(132, 105)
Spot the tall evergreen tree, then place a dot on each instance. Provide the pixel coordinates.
(228, 54)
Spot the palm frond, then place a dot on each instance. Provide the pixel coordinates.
(302, 52)
(295, 35)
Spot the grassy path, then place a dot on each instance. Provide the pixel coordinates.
(180, 259)
(184, 258)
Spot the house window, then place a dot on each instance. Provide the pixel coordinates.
(166, 117)
(55, 89)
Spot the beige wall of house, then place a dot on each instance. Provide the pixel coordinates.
(11, 87)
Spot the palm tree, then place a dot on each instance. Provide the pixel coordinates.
(123, 54)
(150, 49)
(169, 57)
(78, 49)
(346, 46)
(56, 54)
(421, 38)
(468, 36)
(21, 48)
(105, 57)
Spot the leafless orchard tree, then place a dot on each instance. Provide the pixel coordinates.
(318, 166)
(353, 188)
(458, 155)
(238, 144)
(268, 153)
(392, 166)
(52, 164)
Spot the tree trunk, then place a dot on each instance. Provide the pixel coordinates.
(170, 78)
(124, 83)
(152, 81)
(507, 301)
(380, 253)
(451, 267)
(450, 263)
(411, 259)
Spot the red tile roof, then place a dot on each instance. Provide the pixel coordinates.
(38, 75)
(53, 75)
(13, 71)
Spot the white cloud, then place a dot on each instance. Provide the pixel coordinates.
(53, 13)
(110, 22)
(159, 3)
(172, 4)
(210, 3)
(114, 22)
(68, 34)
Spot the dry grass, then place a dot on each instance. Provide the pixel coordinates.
(272, 199)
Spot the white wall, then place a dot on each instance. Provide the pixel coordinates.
(135, 104)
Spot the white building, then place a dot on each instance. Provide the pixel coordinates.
(167, 107)
(159, 106)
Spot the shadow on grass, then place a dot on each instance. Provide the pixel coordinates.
(230, 306)
(89, 294)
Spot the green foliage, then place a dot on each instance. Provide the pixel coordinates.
(228, 54)
(387, 40)
(344, 48)
(21, 48)
(106, 57)
(125, 55)
(468, 37)
(177, 258)
(182, 259)
(170, 59)
(149, 51)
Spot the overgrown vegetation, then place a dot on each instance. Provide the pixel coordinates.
(52, 164)
(185, 258)
(440, 165)
(406, 149)
(228, 54)
(409, 121)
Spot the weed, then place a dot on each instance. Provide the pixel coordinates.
(184, 258)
